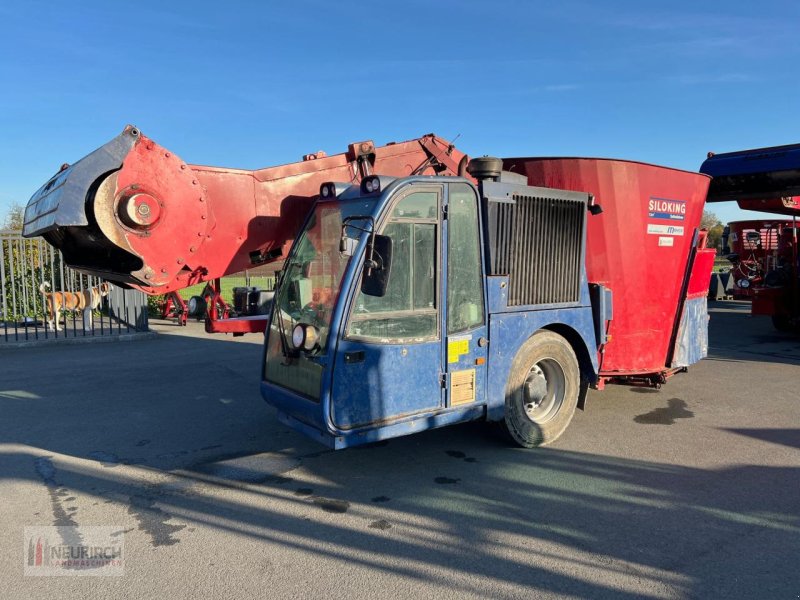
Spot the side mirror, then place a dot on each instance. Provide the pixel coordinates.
(377, 266)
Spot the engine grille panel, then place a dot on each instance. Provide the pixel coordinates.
(538, 241)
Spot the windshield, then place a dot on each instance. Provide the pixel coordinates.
(308, 293)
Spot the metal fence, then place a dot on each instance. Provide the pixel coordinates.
(29, 266)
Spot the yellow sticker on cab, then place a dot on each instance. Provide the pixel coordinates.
(455, 349)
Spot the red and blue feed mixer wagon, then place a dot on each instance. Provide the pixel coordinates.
(421, 288)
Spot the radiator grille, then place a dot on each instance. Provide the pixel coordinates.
(538, 242)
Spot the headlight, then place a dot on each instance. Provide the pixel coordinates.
(371, 184)
(305, 337)
(744, 283)
(298, 336)
(312, 337)
(327, 190)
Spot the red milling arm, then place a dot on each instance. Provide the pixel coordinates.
(192, 223)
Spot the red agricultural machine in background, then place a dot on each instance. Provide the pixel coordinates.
(755, 248)
(765, 180)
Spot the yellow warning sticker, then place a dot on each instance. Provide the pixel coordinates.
(455, 349)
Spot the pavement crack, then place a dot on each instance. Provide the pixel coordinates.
(47, 473)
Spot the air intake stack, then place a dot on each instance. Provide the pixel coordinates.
(485, 168)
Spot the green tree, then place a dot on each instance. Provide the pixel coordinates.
(14, 217)
(714, 226)
(26, 263)
(709, 220)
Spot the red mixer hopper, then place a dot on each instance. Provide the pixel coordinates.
(645, 247)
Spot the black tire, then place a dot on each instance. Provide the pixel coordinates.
(542, 390)
(783, 323)
(197, 307)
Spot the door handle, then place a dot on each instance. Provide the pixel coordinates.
(353, 357)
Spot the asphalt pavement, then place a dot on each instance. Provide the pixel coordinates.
(691, 491)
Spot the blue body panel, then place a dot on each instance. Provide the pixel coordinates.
(370, 435)
(508, 331)
(510, 327)
(757, 160)
(759, 173)
(396, 389)
(369, 391)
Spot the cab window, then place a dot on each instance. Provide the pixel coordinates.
(409, 310)
(464, 279)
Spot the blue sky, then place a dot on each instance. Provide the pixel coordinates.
(256, 84)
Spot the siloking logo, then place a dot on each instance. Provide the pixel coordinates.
(79, 550)
(662, 208)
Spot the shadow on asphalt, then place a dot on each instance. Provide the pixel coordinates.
(735, 336)
(782, 437)
(188, 407)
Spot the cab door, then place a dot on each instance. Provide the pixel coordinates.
(465, 319)
(388, 364)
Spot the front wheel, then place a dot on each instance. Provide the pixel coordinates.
(542, 390)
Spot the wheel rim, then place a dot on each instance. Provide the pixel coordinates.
(544, 390)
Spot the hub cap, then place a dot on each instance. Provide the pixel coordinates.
(543, 390)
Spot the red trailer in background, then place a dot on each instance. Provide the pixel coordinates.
(647, 247)
(754, 248)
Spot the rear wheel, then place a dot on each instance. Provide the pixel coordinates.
(542, 390)
(783, 323)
